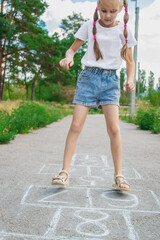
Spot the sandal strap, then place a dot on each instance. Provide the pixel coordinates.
(64, 171)
(119, 182)
(62, 178)
(59, 177)
(119, 175)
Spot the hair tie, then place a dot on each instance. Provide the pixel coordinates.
(125, 25)
(94, 37)
(126, 9)
(126, 40)
(96, 8)
(94, 23)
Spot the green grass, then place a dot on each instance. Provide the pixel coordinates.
(145, 118)
(29, 116)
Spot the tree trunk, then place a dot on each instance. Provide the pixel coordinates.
(27, 87)
(33, 85)
(3, 78)
(39, 92)
(1, 60)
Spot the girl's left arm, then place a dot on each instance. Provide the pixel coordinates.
(130, 67)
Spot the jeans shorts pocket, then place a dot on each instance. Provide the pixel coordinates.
(115, 78)
(84, 75)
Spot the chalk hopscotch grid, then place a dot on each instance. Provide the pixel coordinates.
(83, 158)
(44, 202)
(132, 234)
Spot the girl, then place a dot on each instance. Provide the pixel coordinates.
(109, 42)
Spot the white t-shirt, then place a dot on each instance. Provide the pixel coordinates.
(110, 40)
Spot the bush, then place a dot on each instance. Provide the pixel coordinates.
(29, 116)
(154, 97)
(5, 129)
(146, 119)
(150, 120)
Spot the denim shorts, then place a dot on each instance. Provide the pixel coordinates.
(96, 86)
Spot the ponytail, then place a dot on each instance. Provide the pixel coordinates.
(124, 50)
(97, 51)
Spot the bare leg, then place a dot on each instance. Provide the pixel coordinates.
(111, 113)
(79, 117)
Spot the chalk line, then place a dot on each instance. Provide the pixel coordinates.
(88, 171)
(132, 233)
(134, 200)
(36, 237)
(73, 159)
(26, 193)
(97, 208)
(138, 176)
(104, 159)
(155, 197)
(89, 199)
(50, 231)
(41, 169)
(52, 195)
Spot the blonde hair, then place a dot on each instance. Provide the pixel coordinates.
(97, 50)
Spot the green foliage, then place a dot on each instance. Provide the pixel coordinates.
(142, 81)
(71, 24)
(28, 47)
(146, 119)
(151, 79)
(149, 120)
(6, 134)
(127, 118)
(154, 97)
(94, 110)
(29, 116)
(125, 98)
(122, 77)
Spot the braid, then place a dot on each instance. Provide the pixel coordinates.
(126, 18)
(97, 51)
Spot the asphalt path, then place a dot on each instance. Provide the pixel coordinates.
(31, 208)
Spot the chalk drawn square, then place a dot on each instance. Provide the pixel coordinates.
(146, 225)
(92, 224)
(89, 160)
(108, 172)
(53, 169)
(56, 196)
(113, 199)
(28, 220)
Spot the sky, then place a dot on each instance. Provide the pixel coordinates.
(148, 31)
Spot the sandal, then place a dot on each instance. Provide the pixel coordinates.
(117, 183)
(64, 180)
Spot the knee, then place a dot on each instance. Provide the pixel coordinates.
(113, 130)
(76, 127)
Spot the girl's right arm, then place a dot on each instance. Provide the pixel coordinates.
(68, 62)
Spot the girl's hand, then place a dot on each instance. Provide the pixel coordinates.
(129, 85)
(66, 63)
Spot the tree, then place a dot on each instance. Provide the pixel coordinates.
(71, 24)
(21, 32)
(151, 79)
(142, 81)
(69, 27)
